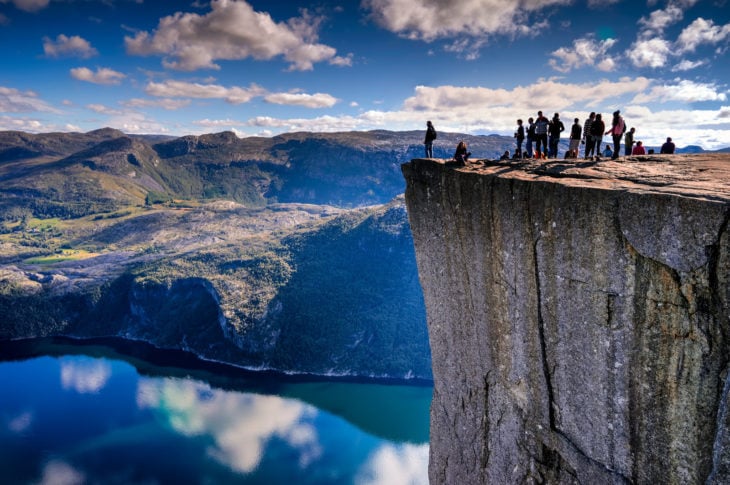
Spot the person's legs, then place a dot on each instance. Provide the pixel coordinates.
(616, 145)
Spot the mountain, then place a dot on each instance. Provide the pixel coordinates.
(211, 244)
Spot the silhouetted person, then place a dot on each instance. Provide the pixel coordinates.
(668, 147)
(430, 137)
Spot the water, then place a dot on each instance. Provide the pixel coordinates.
(92, 414)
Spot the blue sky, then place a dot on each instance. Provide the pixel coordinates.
(268, 67)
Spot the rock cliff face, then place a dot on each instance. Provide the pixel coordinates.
(578, 319)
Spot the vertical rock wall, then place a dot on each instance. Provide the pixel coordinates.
(579, 331)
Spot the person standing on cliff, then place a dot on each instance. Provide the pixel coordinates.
(629, 141)
(541, 135)
(618, 127)
(519, 138)
(587, 137)
(575, 135)
(556, 127)
(430, 137)
(530, 136)
(597, 128)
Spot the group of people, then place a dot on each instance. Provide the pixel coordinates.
(544, 136)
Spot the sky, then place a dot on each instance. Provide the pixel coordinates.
(265, 67)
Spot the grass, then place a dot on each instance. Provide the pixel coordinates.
(61, 256)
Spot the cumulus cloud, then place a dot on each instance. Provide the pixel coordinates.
(650, 52)
(103, 75)
(233, 30)
(317, 100)
(21, 423)
(102, 109)
(433, 19)
(65, 46)
(683, 90)
(28, 5)
(16, 101)
(585, 51)
(699, 32)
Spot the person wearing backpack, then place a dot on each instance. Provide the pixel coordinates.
(430, 137)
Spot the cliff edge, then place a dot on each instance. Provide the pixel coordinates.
(578, 318)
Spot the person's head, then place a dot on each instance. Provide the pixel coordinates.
(530, 119)
(576, 121)
(461, 144)
(616, 113)
(669, 139)
(632, 129)
(428, 123)
(592, 115)
(598, 117)
(539, 114)
(639, 143)
(608, 147)
(519, 122)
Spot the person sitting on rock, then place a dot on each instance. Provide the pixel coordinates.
(461, 154)
(505, 155)
(668, 147)
(608, 153)
(638, 149)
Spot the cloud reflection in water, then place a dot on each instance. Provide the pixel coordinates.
(396, 465)
(85, 375)
(240, 424)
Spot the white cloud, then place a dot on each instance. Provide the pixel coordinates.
(585, 51)
(233, 31)
(15, 101)
(102, 109)
(167, 103)
(240, 425)
(659, 20)
(103, 75)
(433, 19)
(317, 100)
(85, 376)
(687, 65)
(684, 90)
(650, 52)
(73, 46)
(182, 89)
(391, 465)
(699, 32)
(28, 5)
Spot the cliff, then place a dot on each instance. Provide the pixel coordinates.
(578, 319)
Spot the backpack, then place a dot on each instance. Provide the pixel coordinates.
(623, 126)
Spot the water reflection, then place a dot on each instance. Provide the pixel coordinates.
(84, 374)
(396, 465)
(57, 472)
(240, 425)
(93, 418)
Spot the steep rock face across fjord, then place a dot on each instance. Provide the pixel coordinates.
(578, 319)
